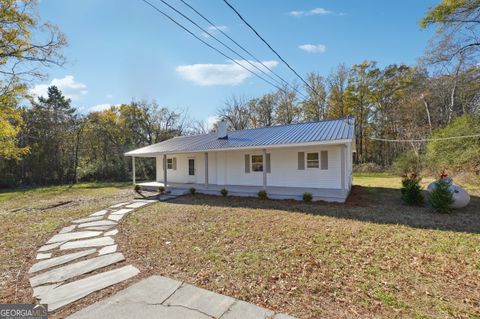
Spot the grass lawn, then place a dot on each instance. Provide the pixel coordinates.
(29, 217)
(370, 257)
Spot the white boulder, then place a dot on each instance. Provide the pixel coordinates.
(460, 196)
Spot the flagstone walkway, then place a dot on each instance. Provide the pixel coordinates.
(85, 246)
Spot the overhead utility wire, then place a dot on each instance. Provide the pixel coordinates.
(206, 43)
(270, 47)
(241, 47)
(426, 139)
(219, 41)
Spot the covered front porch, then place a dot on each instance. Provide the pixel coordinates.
(274, 192)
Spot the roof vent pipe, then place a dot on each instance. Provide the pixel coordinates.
(222, 130)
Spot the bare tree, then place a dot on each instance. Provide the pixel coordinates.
(235, 113)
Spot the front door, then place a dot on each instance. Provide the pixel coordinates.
(191, 170)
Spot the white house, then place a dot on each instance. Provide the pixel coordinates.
(286, 161)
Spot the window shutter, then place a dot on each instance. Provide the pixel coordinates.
(301, 160)
(324, 159)
(164, 163)
(247, 163)
(268, 163)
(174, 163)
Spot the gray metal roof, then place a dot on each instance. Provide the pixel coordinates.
(323, 131)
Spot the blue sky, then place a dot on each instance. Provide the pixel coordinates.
(121, 50)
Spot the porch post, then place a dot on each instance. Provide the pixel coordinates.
(165, 171)
(343, 165)
(133, 170)
(264, 164)
(206, 169)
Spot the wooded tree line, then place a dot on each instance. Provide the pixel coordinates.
(395, 102)
(65, 146)
(47, 140)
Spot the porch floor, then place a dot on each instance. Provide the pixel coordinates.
(275, 192)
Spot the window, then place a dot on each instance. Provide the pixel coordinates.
(170, 163)
(257, 163)
(312, 160)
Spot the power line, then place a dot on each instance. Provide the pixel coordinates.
(216, 39)
(206, 43)
(270, 47)
(241, 47)
(426, 139)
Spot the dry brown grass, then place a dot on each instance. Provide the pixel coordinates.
(372, 257)
(29, 217)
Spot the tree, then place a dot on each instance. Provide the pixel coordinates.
(458, 25)
(337, 86)
(287, 110)
(26, 45)
(235, 113)
(456, 154)
(51, 131)
(315, 106)
(262, 110)
(11, 122)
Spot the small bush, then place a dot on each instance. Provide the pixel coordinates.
(161, 189)
(224, 192)
(193, 190)
(307, 197)
(262, 194)
(411, 190)
(441, 197)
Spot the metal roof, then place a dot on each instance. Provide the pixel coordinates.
(326, 131)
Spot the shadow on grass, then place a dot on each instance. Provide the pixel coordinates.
(365, 204)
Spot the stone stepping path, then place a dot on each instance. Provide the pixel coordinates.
(85, 246)
(162, 297)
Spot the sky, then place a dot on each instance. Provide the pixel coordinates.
(123, 50)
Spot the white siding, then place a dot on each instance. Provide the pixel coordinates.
(228, 168)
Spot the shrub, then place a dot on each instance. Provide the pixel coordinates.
(307, 197)
(441, 197)
(192, 190)
(411, 190)
(224, 192)
(459, 155)
(262, 194)
(161, 189)
(408, 163)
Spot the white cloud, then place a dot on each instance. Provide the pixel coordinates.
(313, 48)
(314, 11)
(220, 74)
(99, 107)
(214, 30)
(69, 87)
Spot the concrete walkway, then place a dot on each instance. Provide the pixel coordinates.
(163, 298)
